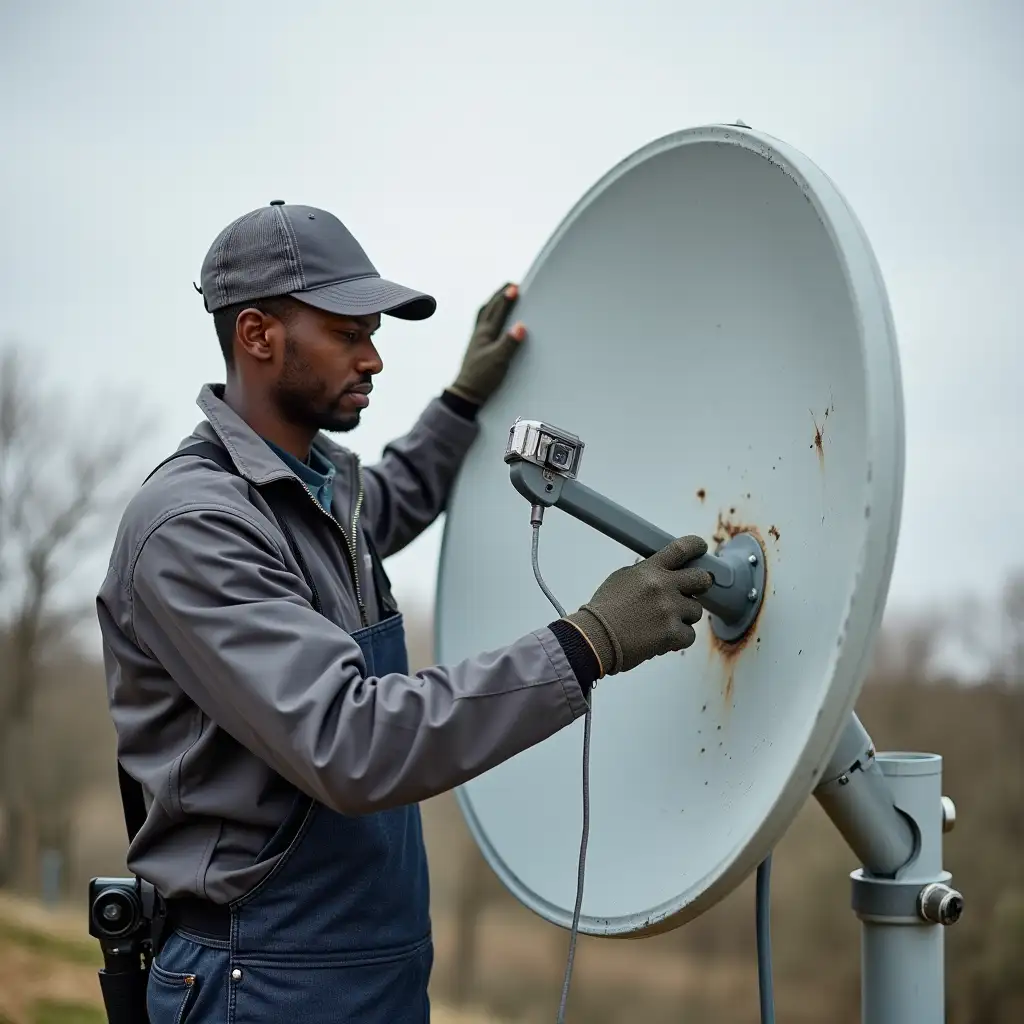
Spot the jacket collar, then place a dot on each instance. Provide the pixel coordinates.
(255, 459)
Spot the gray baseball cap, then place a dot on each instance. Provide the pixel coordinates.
(308, 254)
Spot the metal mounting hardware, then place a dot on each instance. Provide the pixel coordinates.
(948, 814)
(940, 904)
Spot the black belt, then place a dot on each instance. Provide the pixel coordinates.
(210, 920)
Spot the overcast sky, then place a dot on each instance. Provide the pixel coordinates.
(452, 136)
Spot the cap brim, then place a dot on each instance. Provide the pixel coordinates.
(365, 296)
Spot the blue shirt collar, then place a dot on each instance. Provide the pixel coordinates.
(317, 474)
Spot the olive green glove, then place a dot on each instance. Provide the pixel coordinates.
(646, 609)
(489, 352)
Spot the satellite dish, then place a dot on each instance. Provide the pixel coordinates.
(712, 323)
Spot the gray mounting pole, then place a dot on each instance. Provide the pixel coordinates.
(888, 807)
(854, 793)
(891, 811)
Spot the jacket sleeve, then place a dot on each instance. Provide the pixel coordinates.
(409, 487)
(214, 601)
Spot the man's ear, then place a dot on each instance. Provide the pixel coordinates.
(259, 335)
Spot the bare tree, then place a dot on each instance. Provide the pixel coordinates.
(1012, 667)
(991, 632)
(58, 495)
(906, 648)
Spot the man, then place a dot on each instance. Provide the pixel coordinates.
(256, 661)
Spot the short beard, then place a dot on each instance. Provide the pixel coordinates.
(303, 398)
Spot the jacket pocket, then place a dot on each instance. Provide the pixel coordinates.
(170, 997)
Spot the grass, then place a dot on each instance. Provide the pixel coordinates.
(47, 972)
(47, 1011)
(36, 941)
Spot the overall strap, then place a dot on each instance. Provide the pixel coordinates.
(133, 802)
(381, 582)
(208, 450)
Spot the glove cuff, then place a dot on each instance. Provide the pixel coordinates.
(599, 637)
(460, 405)
(467, 394)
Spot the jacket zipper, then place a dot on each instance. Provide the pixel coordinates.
(356, 509)
(349, 544)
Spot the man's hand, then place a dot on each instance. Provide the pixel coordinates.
(489, 352)
(646, 609)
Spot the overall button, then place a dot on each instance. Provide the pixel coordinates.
(236, 974)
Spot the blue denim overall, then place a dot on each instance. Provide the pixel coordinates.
(338, 932)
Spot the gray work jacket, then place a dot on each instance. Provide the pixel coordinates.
(227, 688)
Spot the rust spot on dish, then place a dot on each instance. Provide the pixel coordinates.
(819, 435)
(773, 532)
(730, 653)
(819, 431)
(702, 494)
(726, 528)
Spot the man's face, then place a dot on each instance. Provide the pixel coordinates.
(325, 369)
